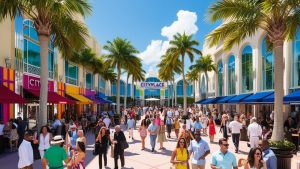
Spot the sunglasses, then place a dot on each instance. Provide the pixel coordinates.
(226, 145)
(181, 142)
(258, 154)
(197, 134)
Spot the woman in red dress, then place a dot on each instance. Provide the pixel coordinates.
(212, 130)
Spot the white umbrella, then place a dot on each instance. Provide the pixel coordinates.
(152, 99)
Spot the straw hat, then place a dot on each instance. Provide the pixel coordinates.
(57, 139)
(73, 126)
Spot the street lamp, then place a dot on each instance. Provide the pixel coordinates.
(8, 62)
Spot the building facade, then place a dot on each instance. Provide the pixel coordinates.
(249, 68)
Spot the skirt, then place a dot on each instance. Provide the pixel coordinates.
(161, 137)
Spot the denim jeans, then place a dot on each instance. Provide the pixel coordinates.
(153, 140)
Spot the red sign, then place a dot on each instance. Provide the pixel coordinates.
(31, 82)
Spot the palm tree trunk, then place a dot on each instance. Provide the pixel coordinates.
(174, 93)
(168, 93)
(125, 92)
(206, 76)
(133, 91)
(184, 87)
(118, 90)
(42, 118)
(278, 88)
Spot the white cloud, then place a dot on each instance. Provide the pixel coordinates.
(186, 22)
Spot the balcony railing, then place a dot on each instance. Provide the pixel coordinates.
(36, 70)
(72, 81)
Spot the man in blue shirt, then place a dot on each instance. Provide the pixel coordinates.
(200, 150)
(268, 154)
(153, 131)
(197, 125)
(223, 158)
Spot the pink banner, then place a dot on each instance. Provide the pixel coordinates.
(31, 82)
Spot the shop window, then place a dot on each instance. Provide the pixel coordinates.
(296, 61)
(220, 78)
(247, 70)
(267, 67)
(231, 75)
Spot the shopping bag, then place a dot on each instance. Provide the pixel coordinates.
(112, 154)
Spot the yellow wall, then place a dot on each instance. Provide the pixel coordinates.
(7, 41)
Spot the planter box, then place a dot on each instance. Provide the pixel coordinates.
(284, 157)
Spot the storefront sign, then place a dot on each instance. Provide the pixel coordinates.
(152, 85)
(31, 82)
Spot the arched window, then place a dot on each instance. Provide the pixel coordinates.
(179, 88)
(247, 70)
(152, 93)
(296, 61)
(220, 78)
(267, 66)
(231, 75)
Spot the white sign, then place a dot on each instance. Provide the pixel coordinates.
(153, 85)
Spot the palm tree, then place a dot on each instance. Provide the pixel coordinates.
(204, 64)
(279, 19)
(121, 54)
(51, 19)
(182, 45)
(192, 77)
(137, 76)
(137, 70)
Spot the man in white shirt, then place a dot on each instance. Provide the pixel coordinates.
(130, 124)
(107, 122)
(26, 152)
(170, 114)
(235, 128)
(254, 133)
(176, 113)
(188, 124)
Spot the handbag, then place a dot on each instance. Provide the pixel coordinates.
(124, 145)
(112, 153)
(96, 148)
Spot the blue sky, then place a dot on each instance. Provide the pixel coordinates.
(142, 21)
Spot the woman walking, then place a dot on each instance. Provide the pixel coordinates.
(186, 134)
(254, 161)
(143, 132)
(177, 127)
(161, 138)
(103, 139)
(180, 155)
(78, 157)
(44, 140)
(212, 129)
(224, 126)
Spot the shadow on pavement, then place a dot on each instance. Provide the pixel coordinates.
(165, 152)
(134, 141)
(243, 152)
(127, 153)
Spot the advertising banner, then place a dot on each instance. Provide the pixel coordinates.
(31, 82)
(153, 85)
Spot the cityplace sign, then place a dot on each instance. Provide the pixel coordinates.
(152, 85)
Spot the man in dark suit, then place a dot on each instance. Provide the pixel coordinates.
(118, 150)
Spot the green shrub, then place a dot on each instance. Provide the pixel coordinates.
(286, 145)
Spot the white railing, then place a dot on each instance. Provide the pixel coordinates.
(71, 81)
(36, 70)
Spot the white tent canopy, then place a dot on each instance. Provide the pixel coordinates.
(152, 99)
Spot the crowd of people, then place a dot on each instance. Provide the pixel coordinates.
(63, 142)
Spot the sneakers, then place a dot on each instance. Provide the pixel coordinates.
(152, 150)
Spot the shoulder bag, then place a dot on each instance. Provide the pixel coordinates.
(124, 145)
(96, 148)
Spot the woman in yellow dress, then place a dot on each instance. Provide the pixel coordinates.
(180, 156)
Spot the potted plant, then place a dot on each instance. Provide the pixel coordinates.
(284, 152)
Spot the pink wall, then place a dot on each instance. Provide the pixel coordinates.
(33, 83)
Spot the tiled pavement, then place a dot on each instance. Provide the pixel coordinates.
(134, 157)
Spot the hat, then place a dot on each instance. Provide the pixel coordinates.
(73, 126)
(57, 139)
(253, 118)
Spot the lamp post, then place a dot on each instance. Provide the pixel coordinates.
(8, 62)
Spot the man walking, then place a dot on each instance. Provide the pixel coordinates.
(235, 128)
(131, 124)
(169, 123)
(119, 137)
(268, 154)
(254, 133)
(197, 125)
(199, 148)
(153, 130)
(55, 155)
(223, 158)
(26, 152)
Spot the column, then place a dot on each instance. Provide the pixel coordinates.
(238, 77)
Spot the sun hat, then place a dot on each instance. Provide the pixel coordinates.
(57, 139)
(73, 126)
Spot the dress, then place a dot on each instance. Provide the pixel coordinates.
(161, 134)
(181, 156)
(80, 165)
(13, 135)
(212, 130)
(143, 131)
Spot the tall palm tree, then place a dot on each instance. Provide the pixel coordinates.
(279, 19)
(192, 77)
(51, 19)
(137, 70)
(181, 46)
(204, 64)
(137, 76)
(121, 54)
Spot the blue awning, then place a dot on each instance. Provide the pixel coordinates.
(199, 101)
(216, 101)
(238, 98)
(100, 95)
(225, 99)
(208, 101)
(257, 97)
(268, 99)
(292, 97)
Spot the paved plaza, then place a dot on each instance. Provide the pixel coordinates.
(135, 158)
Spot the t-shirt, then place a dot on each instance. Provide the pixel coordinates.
(107, 122)
(235, 127)
(55, 156)
(224, 161)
